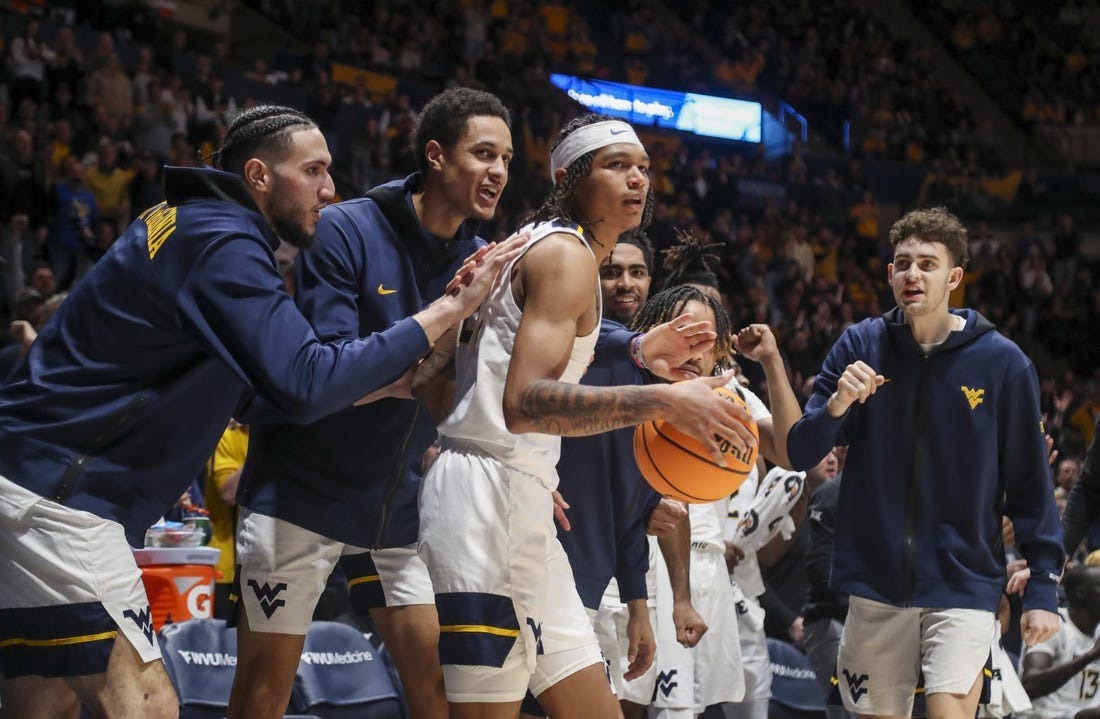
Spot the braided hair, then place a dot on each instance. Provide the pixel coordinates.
(670, 302)
(689, 261)
(560, 201)
(263, 128)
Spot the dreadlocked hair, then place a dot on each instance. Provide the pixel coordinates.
(560, 201)
(669, 303)
(264, 128)
(689, 261)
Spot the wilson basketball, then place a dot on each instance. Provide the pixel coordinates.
(678, 466)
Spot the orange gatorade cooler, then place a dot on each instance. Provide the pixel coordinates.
(179, 582)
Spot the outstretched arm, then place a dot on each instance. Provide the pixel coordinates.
(556, 285)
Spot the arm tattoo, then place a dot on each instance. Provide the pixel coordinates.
(572, 410)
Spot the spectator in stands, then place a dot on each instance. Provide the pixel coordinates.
(30, 56)
(110, 184)
(75, 212)
(110, 86)
(66, 67)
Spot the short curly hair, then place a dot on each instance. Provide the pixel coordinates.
(445, 116)
(933, 225)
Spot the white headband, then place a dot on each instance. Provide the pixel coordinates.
(588, 138)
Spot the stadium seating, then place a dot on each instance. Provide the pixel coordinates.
(795, 692)
(343, 675)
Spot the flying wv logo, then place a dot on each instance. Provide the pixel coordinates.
(266, 596)
(973, 396)
(536, 630)
(855, 684)
(666, 682)
(143, 620)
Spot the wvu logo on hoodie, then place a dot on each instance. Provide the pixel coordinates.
(973, 396)
(160, 222)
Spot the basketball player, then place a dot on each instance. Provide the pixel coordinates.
(510, 617)
(125, 393)
(322, 494)
(607, 545)
(1062, 675)
(317, 495)
(712, 672)
(941, 415)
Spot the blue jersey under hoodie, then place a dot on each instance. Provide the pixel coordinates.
(354, 476)
(123, 397)
(600, 479)
(951, 441)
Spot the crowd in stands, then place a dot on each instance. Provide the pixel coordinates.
(83, 133)
(1041, 63)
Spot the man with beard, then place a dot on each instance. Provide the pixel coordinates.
(124, 395)
(319, 496)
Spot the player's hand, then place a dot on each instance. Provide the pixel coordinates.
(756, 342)
(560, 505)
(641, 645)
(734, 555)
(690, 627)
(669, 345)
(478, 272)
(400, 388)
(857, 383)
(795, 632)
(1039, 625)
(696, 410)
(665, 517)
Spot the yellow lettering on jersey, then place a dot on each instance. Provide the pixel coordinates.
(973, 396)
(160, 223)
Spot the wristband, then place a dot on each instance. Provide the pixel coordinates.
(636, 351)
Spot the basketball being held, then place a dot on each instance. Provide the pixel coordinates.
(677, 465)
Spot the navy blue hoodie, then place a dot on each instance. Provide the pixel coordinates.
(951, 441)
(354, 476)
(123, 396)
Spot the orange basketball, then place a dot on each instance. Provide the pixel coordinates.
(676, 465)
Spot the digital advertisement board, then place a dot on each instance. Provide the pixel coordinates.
(706, 115)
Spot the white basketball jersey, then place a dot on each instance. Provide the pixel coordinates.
(1083, 688)
(484, 351)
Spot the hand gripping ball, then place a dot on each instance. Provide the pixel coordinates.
(678, 466)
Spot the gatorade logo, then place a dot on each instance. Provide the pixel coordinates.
(196, 593)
